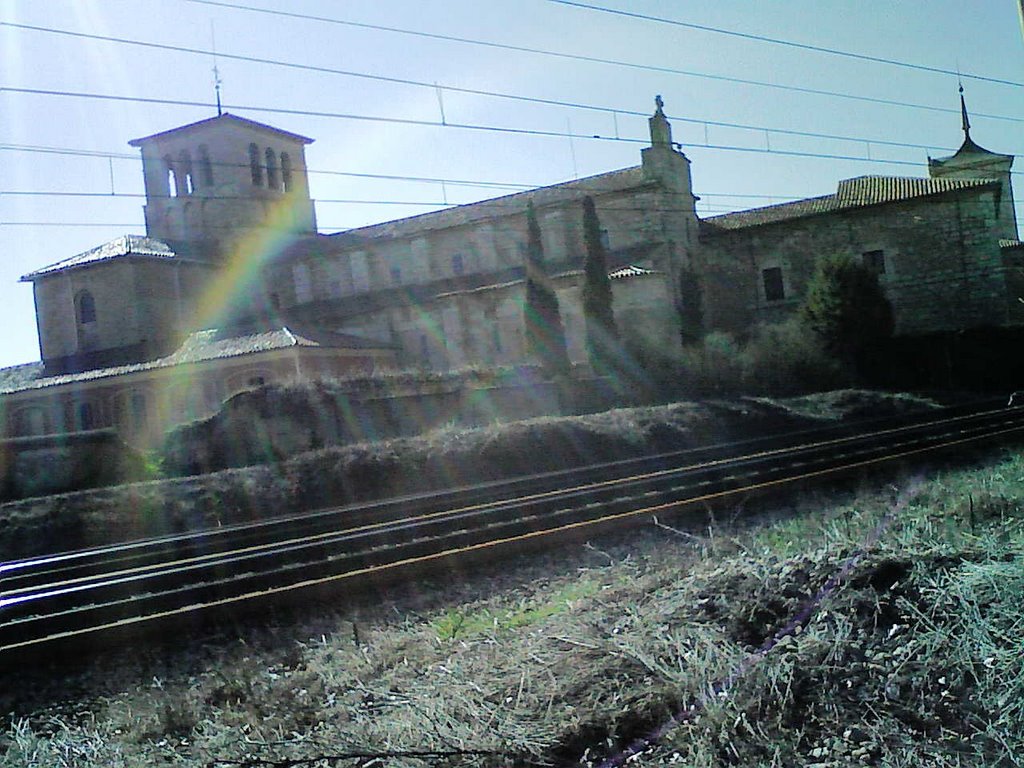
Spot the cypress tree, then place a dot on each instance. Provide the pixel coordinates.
(602, 335)
(545, 335)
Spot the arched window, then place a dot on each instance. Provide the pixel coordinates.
(286, 172)
(85, 308)
(205, 166)
(271, 169)
(255, 169)
(172, 179)
(185, 171)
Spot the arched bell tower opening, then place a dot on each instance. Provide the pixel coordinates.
(212, 183)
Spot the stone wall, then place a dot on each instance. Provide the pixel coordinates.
(943, 265)
(141, 405)
(275, 422)
(485, 326)
(41, 466)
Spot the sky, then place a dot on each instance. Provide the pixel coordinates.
(491, 96)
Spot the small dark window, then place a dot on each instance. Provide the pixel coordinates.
(86, 417)
(773, 287)
(875, 261)
(605, 240)
(205, 166)
(458, 264)
(286, 172)
(496, 337)
(257, 381)
(271, 169)
(255, 169)
(86, 307)
(396, 275)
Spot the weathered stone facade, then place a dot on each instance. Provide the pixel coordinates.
(937, 255)
(228, 198)
(141, 400)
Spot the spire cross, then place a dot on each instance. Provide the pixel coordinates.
(216, 88)
(216, 72)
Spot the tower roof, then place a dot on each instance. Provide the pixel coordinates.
(224, 119)
(969, 147)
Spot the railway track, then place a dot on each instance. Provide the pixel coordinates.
(67, 598)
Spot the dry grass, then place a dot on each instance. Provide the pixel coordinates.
(567, 658)
(441, 459)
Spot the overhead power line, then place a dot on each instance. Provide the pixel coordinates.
(76, 152)
(604, 109)
(460, 126)
(786, 43)
(501, 207)
(583, 58)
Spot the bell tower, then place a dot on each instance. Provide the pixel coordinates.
(211, 184)
(974, 162)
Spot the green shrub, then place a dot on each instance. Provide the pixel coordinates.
(713, 365)
(788, 358)
(778, 359)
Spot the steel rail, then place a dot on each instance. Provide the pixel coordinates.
(279, 546)
(365, 549)
(67, 579)
(157, 550)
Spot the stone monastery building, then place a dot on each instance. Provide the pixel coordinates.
(233, 287)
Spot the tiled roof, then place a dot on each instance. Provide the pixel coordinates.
(126, 245)
(851, 193)
(630, 271)
(627, 178)
(224, 118)
(198, 347)
(19, 376)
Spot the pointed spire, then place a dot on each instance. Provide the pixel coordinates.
(966, 122)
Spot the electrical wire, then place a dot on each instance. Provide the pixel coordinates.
(460, 126)
(489, 93)
(574, 57)
(787, 43)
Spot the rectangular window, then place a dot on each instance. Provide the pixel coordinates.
(773, 287)
(303, 283)
(396, 275)
(139, 411)
(875, 261)
(458, 264)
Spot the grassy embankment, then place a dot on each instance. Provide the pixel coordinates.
(912, 658)
(438, 460)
